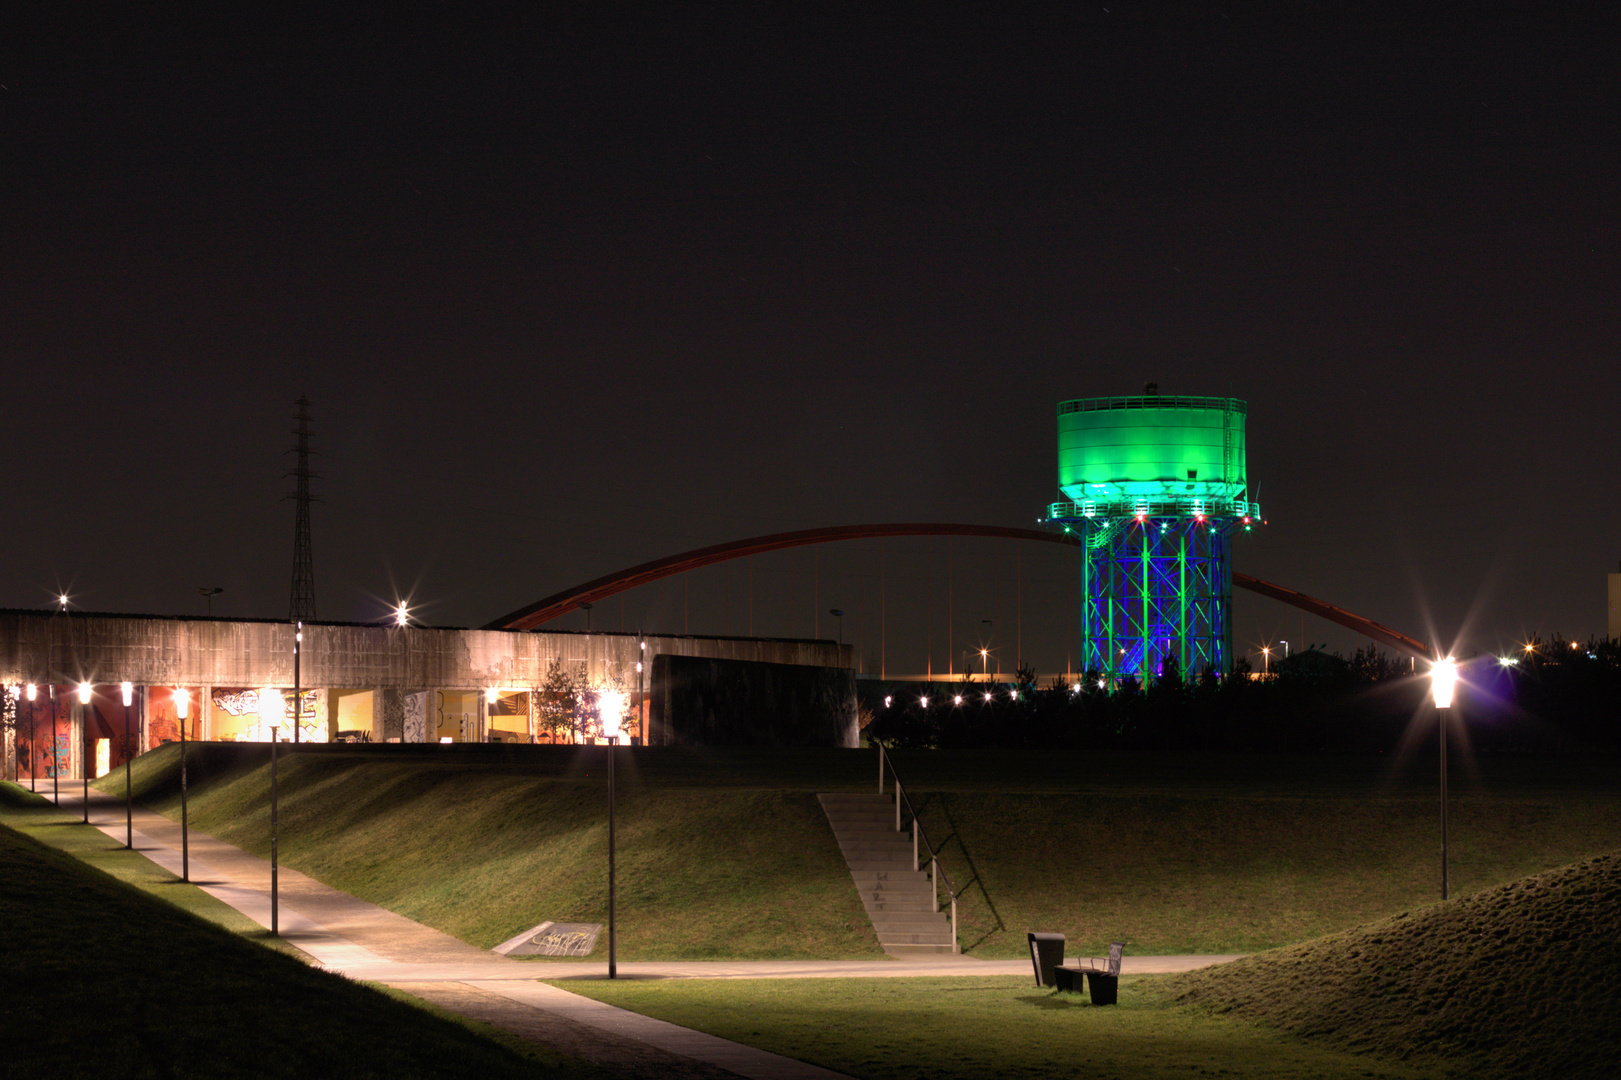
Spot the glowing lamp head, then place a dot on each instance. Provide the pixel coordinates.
(84, 693)
(62, 599)
(1014, 695)
(492, 695)
(956, 699)
(888, 700)
(402, 615)
(272, 709)
(1075, 688)
(923, 701)
(611, 710)
(31, 691)
(127, 689)
(987, 695)
(182, 703)
(1443, 679)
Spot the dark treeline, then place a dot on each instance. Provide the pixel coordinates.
(1557, 695)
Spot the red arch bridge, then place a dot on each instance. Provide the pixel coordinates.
(545, 610)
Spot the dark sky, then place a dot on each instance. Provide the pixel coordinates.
(577, 288)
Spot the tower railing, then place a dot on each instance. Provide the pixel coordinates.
(1180, 506)
(920, 841)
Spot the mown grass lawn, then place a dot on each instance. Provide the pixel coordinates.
(144, 977)
(939, 1028)
(726, 854)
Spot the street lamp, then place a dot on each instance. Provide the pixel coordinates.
(208, 594)
(182, 699)
(56, 762)
(984, 661)
(610, 709)
(272, 711)
(1266, 659)
(84, 745)
(838, 613)
(1443, 678)
(33, 740)
(128, 691)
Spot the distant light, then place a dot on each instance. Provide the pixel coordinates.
(983, 654)
(923, 701)
(402, 615)
(492, 695)
(31, 691)
(1443, 679)
(128, 690)
(1102, 684)
(63, 600)
(987, 695)
(1507, 661)
(182, 703)
(638, 667)
(1014, 695)
(1075, 688)
(956, 699)
(84, 693)
(888, 700)
(446, 739)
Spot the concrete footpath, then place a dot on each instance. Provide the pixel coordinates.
(351, 937)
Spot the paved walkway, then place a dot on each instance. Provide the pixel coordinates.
(363, 941)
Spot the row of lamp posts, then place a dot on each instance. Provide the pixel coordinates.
(610, 707)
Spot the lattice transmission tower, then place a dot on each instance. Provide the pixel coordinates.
(301, 606)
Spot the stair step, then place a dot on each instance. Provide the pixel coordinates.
(899, 900)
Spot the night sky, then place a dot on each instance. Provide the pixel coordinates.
(575, 291)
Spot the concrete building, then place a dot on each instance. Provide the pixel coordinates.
(378, 683)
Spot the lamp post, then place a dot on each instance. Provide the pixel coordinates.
(128, 691)
(270, 704)
(182, 699)
(643, 713)
(1443, 678)
(298, 694)
(1266, 659)
(84, 745)
(838, 613)
(56, 763)
(33, 740)
(610, 710)
(208, 594)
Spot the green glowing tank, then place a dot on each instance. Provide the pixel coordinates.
(1184, 452)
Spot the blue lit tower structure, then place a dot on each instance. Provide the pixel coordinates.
(1155, 487)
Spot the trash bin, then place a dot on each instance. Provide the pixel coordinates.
(1046, 953)
(1105, 987)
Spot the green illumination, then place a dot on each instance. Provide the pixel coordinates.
(1152, 447)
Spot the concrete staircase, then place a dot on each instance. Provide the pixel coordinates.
(898, 899)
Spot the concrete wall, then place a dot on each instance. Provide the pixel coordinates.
(46, 647)
(701, 701)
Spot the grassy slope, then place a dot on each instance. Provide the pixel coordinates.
(1521, 980)
(102, 979)
(727, 854)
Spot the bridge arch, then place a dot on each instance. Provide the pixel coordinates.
(558, 604)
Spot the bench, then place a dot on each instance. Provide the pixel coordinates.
(1105, 981)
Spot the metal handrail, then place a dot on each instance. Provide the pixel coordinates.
(936, 871)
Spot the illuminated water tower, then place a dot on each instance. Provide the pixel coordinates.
(1157, 487)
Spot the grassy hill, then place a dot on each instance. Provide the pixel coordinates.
(726, 853)
(103, 980)
(1526, 975)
